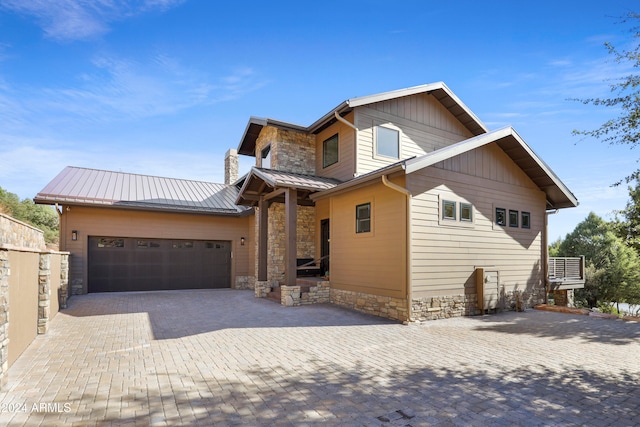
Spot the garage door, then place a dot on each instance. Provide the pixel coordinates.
(119, 264)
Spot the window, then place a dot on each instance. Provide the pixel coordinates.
(330, 151)
(466, 212)
(111, 243)
(501, 216)
(526, 220)
(387, 142)
(363, 218)
(147, 244)
(182, 245)
(266, 158)
(513, 218)
(448, 210)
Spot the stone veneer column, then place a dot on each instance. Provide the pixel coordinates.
(64, 280)
(4, 317)
(44, 293)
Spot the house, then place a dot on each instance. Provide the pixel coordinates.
(409, 205)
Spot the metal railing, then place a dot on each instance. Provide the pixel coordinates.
(566, 270)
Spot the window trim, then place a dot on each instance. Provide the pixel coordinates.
(470, 206)
(503, 211)
(376, 145)
(515, 216)
(523, 216)
(324, 151)
(362, 220)
(446, 203)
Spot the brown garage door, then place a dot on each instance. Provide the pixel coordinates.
(119, 264)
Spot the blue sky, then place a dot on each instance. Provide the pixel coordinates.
(165, 87)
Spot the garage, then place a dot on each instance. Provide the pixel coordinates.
(118, 264)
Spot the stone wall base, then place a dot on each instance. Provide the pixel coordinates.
(383, 306)
(443, 307)
(244, 282)
(262, 288)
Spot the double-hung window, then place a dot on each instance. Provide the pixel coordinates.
(363, 218)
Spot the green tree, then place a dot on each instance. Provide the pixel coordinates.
(627, 223)
(612, 267)
(625, 128)
(42, 217)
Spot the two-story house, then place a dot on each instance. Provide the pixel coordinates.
(405, 200)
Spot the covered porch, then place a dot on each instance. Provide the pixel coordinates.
(288, 237)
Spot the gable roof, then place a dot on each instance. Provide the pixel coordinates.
(92, 187)
(558, 195)
(439, 90)
(263, 181)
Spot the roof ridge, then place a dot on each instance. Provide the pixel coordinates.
(148, 175)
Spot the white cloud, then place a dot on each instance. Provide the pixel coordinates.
(82, 19)
(118, 89)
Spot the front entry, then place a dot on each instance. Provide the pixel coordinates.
(325, 240)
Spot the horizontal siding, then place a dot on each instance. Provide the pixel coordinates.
(444, 255)
(424, 124)
(152, 225)
(372, 262)
(345, 168)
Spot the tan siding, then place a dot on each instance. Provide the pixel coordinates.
(444, 255)
(23, 295)
(129, 223)
(345, 168)
(372, 262)
(424, 124)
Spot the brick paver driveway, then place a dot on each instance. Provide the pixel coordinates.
(222, 357)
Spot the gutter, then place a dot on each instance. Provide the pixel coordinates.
(407, 194)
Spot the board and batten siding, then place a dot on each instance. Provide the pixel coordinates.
(372, 262)
(425, 125)
(444, 253)
(89, 221)
(345, 168)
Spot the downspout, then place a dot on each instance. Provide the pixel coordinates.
(546, 253)
(407, 193)
(355, 139)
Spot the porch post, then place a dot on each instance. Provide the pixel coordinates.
(290, 231)
(263, 236)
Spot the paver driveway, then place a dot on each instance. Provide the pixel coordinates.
(222, 357)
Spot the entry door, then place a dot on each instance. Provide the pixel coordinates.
(324, 245)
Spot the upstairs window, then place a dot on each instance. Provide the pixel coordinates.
(513, 218)
(466, 212)
(501, 216)
(387, 142)
(526, 220)
(363, 218)
(265, 158)
(448, 210)
(330, 151)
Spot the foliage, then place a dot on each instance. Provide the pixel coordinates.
(612, 268)
(624, 129)
(42, 217)
(627, 223)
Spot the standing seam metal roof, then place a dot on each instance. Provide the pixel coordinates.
(81, 186)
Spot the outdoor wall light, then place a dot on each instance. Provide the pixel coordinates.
(74, 235)
(242, 241)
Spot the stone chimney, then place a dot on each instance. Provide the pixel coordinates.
(231, 166)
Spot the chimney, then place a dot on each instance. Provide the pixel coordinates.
(231, 166)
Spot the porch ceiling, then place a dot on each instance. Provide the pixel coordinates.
(271, 184)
